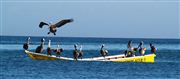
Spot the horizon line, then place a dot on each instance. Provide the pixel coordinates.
(90, 37)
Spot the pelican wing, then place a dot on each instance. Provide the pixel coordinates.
(63, 22)
(41, 24)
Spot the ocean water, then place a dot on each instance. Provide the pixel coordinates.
(15, 64)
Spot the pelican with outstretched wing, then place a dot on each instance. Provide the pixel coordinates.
(53, 27)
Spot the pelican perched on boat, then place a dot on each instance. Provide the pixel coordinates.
(103, 51)
(75, 52)
(153, 48)
(26, 45)
(53, 27)
(141, 48)
(80, 52)
(49, 50)
(58, 51)
(40, 48)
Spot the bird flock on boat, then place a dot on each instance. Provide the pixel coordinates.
(130, 52)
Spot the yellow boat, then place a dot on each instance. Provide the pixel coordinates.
(113, 58)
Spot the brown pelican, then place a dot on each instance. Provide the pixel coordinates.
(129, 46)
(153, 49)
(53, 27)
(49, 50)
(80, 52)
(58, 51)
(103, 51)
(26, 45)
(141, 48)
(39, 49)
(75, 52)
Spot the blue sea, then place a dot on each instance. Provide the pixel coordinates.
(15, 64)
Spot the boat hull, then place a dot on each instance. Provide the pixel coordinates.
(114, 58)
(146, 58)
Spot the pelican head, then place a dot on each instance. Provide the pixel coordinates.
(103, 45)
(42, 40)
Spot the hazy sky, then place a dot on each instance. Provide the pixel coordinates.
(119, 19)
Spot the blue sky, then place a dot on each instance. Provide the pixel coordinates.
(117, 19)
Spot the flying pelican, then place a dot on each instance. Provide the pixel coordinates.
(53, 27)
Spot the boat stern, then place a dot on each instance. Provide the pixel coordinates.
(147, 58)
